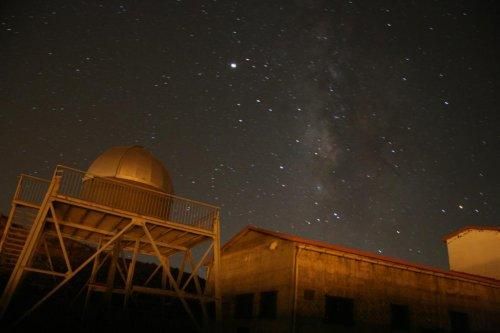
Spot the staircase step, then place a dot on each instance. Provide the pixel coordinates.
(15, 242)
(12, 246)
(22, 232)
(11, 251)
(16, 237)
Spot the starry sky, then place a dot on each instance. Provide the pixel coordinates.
(370, 124)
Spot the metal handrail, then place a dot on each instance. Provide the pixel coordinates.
(117, 180)
(130, 197)
(31, 189)
(119, 195)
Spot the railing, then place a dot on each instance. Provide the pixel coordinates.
(31, 189)
(133, 198)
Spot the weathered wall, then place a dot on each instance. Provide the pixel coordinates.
(374, 286)
(250, 266)
(475, 252)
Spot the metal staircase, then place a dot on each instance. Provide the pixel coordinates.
(15, 229)
(12, 247)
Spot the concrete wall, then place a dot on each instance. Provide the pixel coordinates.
(251, 266)
(475, 252)
(374, 286)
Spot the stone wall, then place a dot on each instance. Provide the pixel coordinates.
(374, 286)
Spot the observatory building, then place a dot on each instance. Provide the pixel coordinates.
(115, 231)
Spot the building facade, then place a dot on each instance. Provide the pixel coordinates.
(274, 282)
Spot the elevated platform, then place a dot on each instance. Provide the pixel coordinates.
(124, 220)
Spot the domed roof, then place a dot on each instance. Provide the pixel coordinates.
(133, 164)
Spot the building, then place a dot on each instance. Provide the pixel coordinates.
(275, 282)
(475, 250)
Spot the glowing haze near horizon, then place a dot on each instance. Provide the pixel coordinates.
(368, 124)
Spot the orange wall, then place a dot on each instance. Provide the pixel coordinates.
(475, 252)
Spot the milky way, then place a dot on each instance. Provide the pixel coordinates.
(370, 125)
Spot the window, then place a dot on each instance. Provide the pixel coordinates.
(400, 317)
(243, 306)
(339, 310)
(459, 322)
(268, 304)
(309, 294)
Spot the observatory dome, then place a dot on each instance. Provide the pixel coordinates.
(132, 164)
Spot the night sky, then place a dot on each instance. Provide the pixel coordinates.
(370, 124)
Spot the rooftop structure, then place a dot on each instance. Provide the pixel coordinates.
(475, 250)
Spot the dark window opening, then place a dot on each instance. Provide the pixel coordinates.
(459, 322)
(400, 317)
(243, 306)
(309, 294)
(268, 304)
(339, 310)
